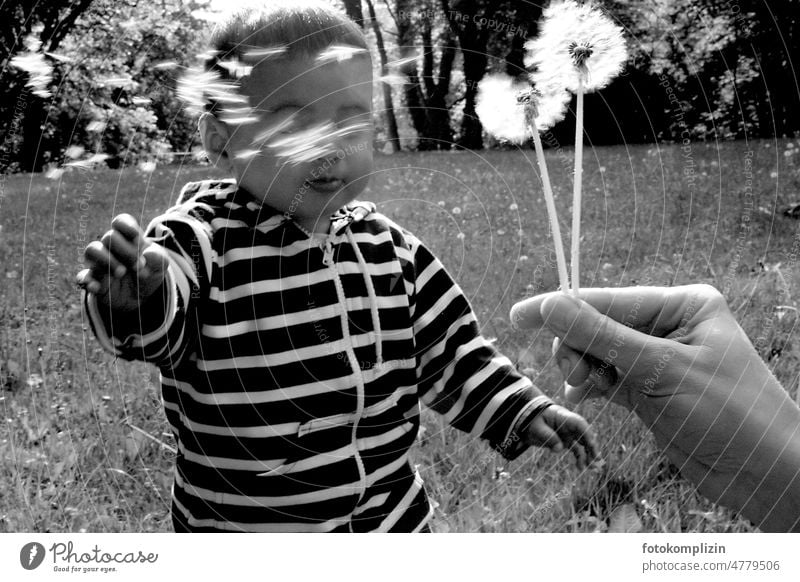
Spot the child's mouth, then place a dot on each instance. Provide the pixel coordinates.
(326, 185)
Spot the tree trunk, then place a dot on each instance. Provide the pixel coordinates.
(353, 9)
(461, 15)
(425, 95)
(393, 139)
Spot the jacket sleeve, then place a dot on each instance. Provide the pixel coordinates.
(461, 375)
(164, 330)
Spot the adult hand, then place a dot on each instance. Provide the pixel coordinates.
(679, 360)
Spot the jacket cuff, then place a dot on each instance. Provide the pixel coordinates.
(515, 442)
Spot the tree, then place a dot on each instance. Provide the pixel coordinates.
(392, 138)
(50, 22)
(110, 95)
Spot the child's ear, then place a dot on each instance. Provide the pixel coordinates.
(215, 137)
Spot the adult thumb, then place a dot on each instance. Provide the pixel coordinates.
(584, 329)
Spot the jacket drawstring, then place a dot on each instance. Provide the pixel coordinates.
(373, 299)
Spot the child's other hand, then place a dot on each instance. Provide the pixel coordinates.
(124, 268)
(557, 428)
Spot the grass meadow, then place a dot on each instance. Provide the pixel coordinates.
(84, 444)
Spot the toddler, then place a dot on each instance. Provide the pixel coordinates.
(296, 330)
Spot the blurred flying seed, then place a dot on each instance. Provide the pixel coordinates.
(117, 82)
(95, 126)
(74, 151)
(236, 69)
(246, 154)
(54, 173)
(393, 79)
(256, 54)
(60, 58)
(400, 63)
(165, 65)
(141, 100)
(339, 53)
(34, 381)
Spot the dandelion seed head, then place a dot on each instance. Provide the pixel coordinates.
(506, 106)
(577, 45)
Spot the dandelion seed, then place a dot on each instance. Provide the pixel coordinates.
(339, 53)
(261, 53)
(236, 69)
(456, 210)
(246, 154)
(54, 173)
(117, 82)
(199, 154)
(441, 203)
(165, 65)
(88, 162)
(147, 167)
(95, 126)
(393, 79)
(461, 236)
(401, 63)
(513, 206)
(239, 116)
(73, 152)
(141, 100)
(523, 258)
(500, 232)
(40, 73)
(34, 381)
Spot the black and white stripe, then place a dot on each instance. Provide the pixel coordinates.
(293, 383)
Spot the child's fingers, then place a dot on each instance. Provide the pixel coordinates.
(543, 436)
(129, 228)
(155, 261)
(102, 262)
(574, 368)
(85, 279)
(122, 249)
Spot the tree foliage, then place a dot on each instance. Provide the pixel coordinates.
(111, 88)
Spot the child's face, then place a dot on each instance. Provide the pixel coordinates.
(305, 95)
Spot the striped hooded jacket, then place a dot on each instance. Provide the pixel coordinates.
(293, 366)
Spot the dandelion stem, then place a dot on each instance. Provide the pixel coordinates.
(575, 257)
(563, 277)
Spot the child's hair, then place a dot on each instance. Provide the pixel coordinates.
(299, 28)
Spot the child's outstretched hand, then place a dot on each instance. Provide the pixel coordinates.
(124, 268)
(557, 428)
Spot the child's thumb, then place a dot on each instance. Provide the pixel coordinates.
(155, 263)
